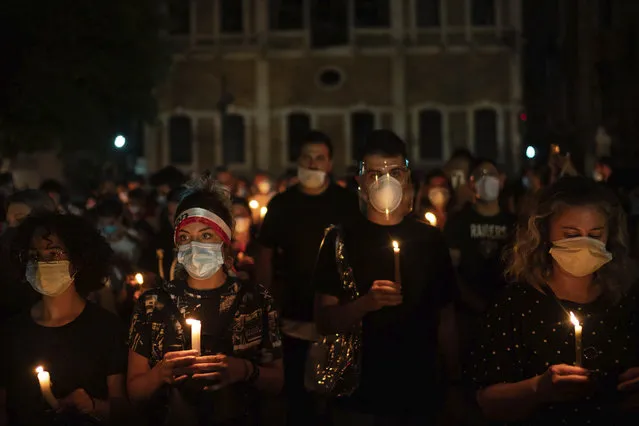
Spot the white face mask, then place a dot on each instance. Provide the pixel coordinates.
(580, 256)
(438, 197)
(242, 225)
(385, 194)
(201, 260)
(488, 188)
(311, 179)
(49, 278)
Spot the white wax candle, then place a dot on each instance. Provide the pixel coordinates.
(196, 331)
(398, 277)
(44, 378)
(578, 330)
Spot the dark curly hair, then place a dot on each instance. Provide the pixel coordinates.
(529, 259)
(88, 252)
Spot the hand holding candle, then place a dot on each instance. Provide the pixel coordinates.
(578, 330)
(44, 378)
(196, 331)
(398, 276)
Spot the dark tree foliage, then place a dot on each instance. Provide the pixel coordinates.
(73, 73)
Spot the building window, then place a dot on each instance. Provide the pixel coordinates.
(431, 139)
(329, 23)
(362, 124)
(372, 13)
(233, 139)
(427, 13)
(232, 16)
(483, 13)
(180, 140)
(330, 78)
(286, 15)
(298, 126)
(486, 133)
(179, 17)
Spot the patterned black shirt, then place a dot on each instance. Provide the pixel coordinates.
(238, 319)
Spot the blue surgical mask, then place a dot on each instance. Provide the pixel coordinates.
(201, 260)
(109, 230)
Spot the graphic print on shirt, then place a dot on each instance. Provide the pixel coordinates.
(491, 238)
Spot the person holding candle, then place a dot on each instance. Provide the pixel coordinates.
(570, 258)
(406, 326)
(79, 345)
(240, 345)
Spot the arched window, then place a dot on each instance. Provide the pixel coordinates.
(486, 133)
(298, 126)
(233, 139)
(431, 135)
(362, 124)
(180, 140)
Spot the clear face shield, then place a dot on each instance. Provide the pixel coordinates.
(385, 187)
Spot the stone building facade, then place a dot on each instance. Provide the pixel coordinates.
(249, 77)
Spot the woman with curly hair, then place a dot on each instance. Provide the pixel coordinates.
(63, 258)
(239, 352)
(570, 259)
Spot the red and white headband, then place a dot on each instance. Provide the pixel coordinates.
(206, 217)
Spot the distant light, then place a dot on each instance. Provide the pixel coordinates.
(139, 278)
(263, 212)
(119, 141)
(431, 218)
(523, 116)
(531, 152)
(254, 204)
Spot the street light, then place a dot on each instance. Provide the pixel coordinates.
(531, 152)
(119, 141)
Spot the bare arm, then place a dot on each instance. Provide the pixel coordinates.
(115, 385)
(331, 317)
(271, 378)
(142, 380)
(264, 267)
(510, 401)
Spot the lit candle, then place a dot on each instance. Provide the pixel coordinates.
(160, 255)
(45, 387)
(263, 211)
(254, 205)
(578, 330)
(398, 278)
(139, 278)
(196, 330)
(431, 218)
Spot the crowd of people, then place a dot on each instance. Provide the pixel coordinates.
(387, 296)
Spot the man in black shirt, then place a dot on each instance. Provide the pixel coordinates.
(406, 325)
(290, 238)
(477, 235)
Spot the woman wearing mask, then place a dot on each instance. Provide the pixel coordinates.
(240, 351)
(81, 345)
(571, 257)
(436, 199)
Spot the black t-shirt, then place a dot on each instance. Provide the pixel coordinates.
(525, 331)
(481, 241)
(399, 343)
(294, 227)
(81, 354)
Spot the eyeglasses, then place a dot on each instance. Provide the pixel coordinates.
(53, 255)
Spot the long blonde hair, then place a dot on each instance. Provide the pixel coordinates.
(529, 259)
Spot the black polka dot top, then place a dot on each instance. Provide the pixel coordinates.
(527, 331)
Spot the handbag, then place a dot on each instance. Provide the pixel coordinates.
(334, 361)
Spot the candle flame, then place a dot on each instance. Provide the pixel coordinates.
(39, 369)
(263, 211)
(574, 320)
(139, 278)
(192, 321)
(431, 218)
(395, 245)
(254, 204)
